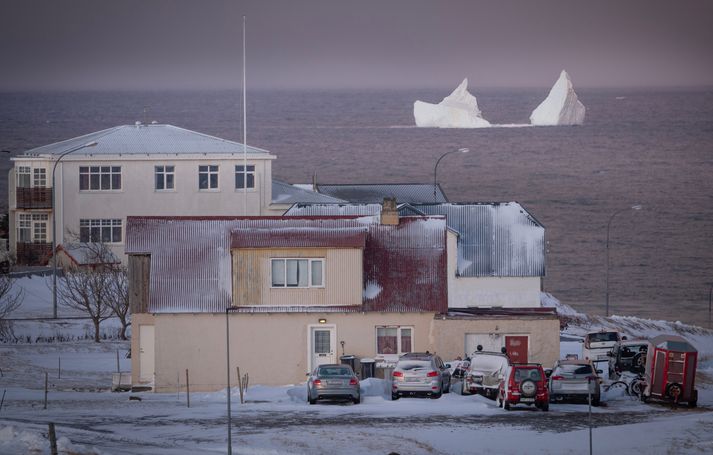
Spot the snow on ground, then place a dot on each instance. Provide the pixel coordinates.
(278, 420)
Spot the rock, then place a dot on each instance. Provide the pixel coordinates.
(561, 107)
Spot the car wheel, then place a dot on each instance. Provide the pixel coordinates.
(311, 401)
(356, 400)
(464, 390)
(595, 402)
(545, 406)
(394, 396)
(506, 405)
(448, 389)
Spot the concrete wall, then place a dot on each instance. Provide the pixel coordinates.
(273, 348)
(507, 292)
(252, 277)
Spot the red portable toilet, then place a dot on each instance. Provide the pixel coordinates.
(671, 370)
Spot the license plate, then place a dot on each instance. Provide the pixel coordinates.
(412, 380)
(334, 382)
(527, 400)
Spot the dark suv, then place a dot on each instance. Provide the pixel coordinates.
(524, 383)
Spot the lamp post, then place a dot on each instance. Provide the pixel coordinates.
(435, 169)
(633, 207)
(710, 304)
(54, 224)
(227, 368)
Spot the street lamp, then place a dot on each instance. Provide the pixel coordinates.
(227, 368)
(54, 224)
(633, 207)
(435, 169)
(710, 303)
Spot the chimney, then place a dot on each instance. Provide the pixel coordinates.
(389, 212)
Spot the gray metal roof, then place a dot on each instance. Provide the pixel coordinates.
(496, 239)
(146, 139)
(412, 193)
(284, 193)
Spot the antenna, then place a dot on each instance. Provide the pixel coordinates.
(245, 133)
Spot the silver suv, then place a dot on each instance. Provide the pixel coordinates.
(420, 373)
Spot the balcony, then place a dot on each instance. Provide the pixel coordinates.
(33, 253)
(34, 198)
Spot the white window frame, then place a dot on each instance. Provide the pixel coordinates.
(39, 177)
(239, 177)
(209, 172)
(24, 171)
(101, 224)
(399, 349)
(162, 171)
(36, 223)
(97, 170)
(310, 261)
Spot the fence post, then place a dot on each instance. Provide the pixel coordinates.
(118, 368)
(59, 367)
(188, 390)
(3, 399)
(46, 382)
(240, 385)
(53, 439)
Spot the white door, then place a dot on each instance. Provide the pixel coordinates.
(322, 346)
(146, 353)
(490, 342)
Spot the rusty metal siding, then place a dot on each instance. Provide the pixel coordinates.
(495, 239)
(405, 266)
(314, 236)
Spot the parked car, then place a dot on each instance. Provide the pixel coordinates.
(524, 383)
(628, 355)
(333, 381)
(485, 373)
(459, 368)
(598, 344)
(574, 380)
(419, 373)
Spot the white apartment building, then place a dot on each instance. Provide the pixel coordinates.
(135, 170)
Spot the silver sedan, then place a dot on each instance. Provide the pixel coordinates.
(575, 380)
(333, 382)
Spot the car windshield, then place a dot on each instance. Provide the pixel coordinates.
(408, 365)
(488, 362)
(573, 370)
(602, 337)
(334, 371)
(527, 373)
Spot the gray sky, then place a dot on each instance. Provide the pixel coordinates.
(130, 44)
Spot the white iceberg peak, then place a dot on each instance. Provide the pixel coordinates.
(561, 107)
(457, 110)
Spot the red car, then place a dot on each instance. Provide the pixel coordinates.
(524, 383)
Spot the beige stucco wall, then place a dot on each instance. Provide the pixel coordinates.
(252, 280)
(273, 348)
(507, 292)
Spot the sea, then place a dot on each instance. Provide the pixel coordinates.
(648, 147)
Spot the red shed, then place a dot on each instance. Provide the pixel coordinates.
(671, 370)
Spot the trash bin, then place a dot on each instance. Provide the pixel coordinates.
(348, 360)
(367, 368)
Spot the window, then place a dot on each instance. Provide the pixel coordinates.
(208, 177)
(297, 273)
(394, 340)
(39, 178)
(23, 176)
(240, 176)
(32, 227)
(165, 176)
(100, 230)
(99, 178)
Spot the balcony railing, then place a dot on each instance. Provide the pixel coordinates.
(34, 198)
(33, 253)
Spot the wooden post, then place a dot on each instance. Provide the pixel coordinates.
(118, 368)
(178, 385)
(53, 439)
(240, 385)
(59, 367)
(3, 399)
(46, 383)
(188, 390)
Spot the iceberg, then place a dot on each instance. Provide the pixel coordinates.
(457, 110)
(561, 107)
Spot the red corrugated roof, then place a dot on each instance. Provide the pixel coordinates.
(308, 234)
